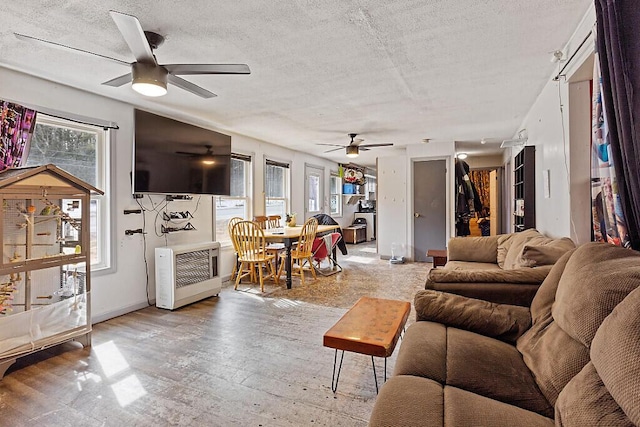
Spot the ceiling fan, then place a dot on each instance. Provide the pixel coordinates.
(150, 78)
(208, 158)
(354, 147)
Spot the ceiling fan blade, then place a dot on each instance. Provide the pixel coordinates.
(188, 154)
(133, 34)
(334, 149)
(330, 145)
(357, 142)
(65, 47)
(388, 144)
(191, 69)
(361, 148)
(119, 81)
(190, 87)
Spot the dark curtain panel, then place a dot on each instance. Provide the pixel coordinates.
(480, 179)
(618, 45)
(16, 128)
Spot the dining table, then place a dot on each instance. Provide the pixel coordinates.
(289, 236)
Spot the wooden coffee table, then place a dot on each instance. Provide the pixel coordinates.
(372, 327)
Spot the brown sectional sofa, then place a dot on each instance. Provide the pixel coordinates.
(571, 359)
(506, 269)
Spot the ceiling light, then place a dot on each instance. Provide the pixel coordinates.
(483, 141)
(209, 160)
(426, 140)
(462, 156)
(149, 79)
(352, 151)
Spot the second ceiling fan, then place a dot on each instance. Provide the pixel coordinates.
(354, 147)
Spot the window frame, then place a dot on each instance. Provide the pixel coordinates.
(104, 175)
(335, 175)
(225, 239)
(286, 165)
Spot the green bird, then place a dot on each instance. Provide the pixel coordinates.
(46, 210)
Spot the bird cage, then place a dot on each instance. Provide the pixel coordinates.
(45, 263)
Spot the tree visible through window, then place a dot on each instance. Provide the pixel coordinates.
(276, 188)
(81, 151)
(237, 204)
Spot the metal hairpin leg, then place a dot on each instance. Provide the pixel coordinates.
(375, 377)
(334, 378)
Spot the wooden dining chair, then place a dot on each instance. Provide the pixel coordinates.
(233, 221)
(262, 220)
(302, 253)
(273, 221)
(251, 244)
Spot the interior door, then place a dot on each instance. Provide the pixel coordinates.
(313, 190)
(430, 210)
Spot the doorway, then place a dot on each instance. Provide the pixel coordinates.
(429, 207)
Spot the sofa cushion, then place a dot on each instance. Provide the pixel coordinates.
(585, 401)
(514, 247)
(476, 249)
(501, 293)
(552, 355)
(493, 369)
(615, 353)
(423, 352)
(597, 277)
(543, 251)
(546, 295)
(504, 322)
(470, 265)
(466, 409)
(409, 401)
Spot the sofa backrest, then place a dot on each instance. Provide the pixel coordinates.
(586, 285)
(607, 390)
(476, 249)
(530, 249)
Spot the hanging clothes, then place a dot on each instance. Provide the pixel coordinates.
(467, 198)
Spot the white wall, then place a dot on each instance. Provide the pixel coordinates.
(395, 195)
(559, 124)
(122, 288)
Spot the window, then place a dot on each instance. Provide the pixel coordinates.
(336, 194)
(82, 151)
(276, 188)
(370, 187)
(238, 203)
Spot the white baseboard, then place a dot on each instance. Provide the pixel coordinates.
(124, 310)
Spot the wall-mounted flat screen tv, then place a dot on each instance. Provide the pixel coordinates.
(172, 157)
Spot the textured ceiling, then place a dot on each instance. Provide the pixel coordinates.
(396, 72)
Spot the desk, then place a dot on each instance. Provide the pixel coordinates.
(289, 236)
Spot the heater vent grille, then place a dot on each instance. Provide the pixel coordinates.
(192, 267)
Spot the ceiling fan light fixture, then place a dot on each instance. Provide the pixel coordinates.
(208, 161)
(149, 79)
(352, 151)
(462, 156)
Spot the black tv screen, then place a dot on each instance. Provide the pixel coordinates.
(172, 157)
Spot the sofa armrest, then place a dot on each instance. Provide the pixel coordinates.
(521, 294)
(520, 275)
(501, 321)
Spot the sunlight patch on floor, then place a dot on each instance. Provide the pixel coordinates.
(128, 390)
(359, 259)
(110, 358)
(369, 250)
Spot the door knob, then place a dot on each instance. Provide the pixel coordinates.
(416, 214)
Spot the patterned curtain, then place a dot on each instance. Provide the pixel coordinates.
(608, 219)
(16, 128)
(480, 179)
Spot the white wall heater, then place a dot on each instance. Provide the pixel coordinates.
(187, 273)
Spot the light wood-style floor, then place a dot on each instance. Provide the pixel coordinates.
(243, 358)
